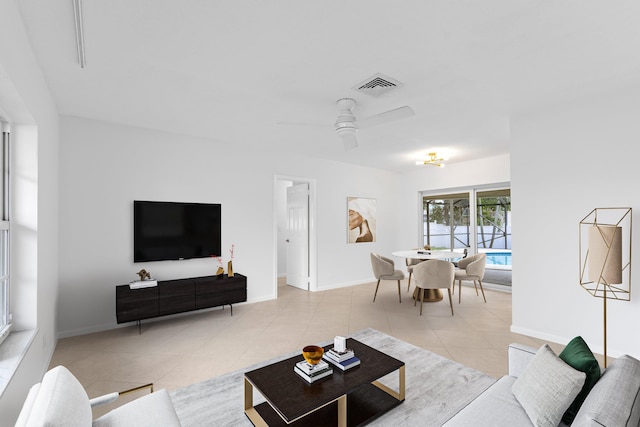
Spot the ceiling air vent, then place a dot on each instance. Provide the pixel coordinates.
(377, 84)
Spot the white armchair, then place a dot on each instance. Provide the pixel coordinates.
(472, 269)
(384, 269)
(411, 263)
(60, 400)
(433, 274)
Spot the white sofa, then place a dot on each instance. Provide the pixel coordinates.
(61, 401)
(614, 400)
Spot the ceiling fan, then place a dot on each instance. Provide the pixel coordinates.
(347, 124)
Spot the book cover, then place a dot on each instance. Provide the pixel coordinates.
(339, 356)
(139, 284)
(346, 364)
(339, 353)
(308, 369)
(315, 377)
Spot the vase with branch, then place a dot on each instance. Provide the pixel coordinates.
(220, 271)
(230, 263)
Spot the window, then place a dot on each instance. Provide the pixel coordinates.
(494, 219)
(5, 313)
(446, 221)
(476, 218)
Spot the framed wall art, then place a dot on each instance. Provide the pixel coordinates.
(361, 220)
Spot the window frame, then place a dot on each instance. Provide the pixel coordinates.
(5, 232)
(471, 194)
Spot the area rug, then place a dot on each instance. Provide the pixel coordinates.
(436, 389)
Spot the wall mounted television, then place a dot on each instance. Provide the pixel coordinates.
(172, 231)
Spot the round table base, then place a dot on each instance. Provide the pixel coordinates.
(430, 295)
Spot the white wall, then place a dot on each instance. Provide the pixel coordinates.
(340, 263)
(104, 167)
(26, 101)
(566, 161)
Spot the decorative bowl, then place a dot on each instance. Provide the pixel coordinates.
(312, 354)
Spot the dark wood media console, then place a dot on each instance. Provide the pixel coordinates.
(179, 296)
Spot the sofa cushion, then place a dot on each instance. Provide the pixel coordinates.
(578, 355)
(497, 406)
(547, 387)
(60, 401)
(151, 410)
(614, 400)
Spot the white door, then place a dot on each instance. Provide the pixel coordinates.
(298, 236)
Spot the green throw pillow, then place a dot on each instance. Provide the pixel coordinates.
(578, 355)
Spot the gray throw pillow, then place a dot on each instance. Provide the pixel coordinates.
(547, 387)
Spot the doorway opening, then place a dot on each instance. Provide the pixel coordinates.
(295, 234)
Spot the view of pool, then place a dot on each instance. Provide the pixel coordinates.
(499, 258)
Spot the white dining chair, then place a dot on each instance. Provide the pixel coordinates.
(471, 268)
(433, 274)
(384, 269)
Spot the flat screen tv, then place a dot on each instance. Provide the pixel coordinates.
(172, 231)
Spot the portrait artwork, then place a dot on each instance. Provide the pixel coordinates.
(361, 220)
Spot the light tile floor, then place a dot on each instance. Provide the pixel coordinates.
(174, 352)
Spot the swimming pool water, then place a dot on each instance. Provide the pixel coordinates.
(499, 258)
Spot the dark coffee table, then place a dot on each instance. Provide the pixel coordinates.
(351, 398)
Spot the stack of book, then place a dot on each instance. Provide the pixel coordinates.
(313, 373)
(342, 359)
(139, 284)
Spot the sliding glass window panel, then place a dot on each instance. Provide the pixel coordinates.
(446, 221)
(4, 296)
(5, 300)
(4, 278)
(494, 219)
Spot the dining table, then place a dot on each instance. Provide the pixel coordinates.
(430, 295)
(427, 254)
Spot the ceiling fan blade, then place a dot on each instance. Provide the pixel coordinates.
(387, 116)
(349, 139)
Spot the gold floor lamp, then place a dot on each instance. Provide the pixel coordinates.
(605, 257)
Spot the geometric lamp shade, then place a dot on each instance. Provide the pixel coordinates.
(605, 253)
(605, 257)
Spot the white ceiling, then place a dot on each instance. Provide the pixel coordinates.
(230, 71)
